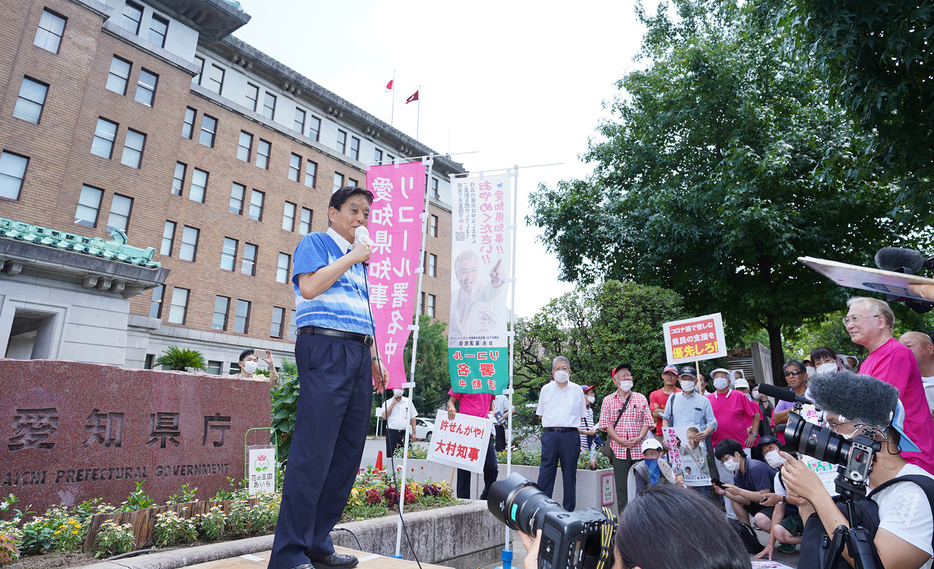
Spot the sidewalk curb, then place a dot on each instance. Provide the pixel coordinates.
(173, 559)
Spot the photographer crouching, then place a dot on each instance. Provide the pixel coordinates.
(863, 434)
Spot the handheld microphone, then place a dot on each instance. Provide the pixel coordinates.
(909, 262)
(362, 235)
(782, 394)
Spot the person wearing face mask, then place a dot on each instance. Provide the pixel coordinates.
(921, 346)
(752, 479)
(587, 429)
(561, 406)
(690, 409)
(787, 527)
(824, 361)
(248, 363)
(399, 413)
(765, 411)
(654, 469)
(737, 418)
(797, 379)
(626, 419)
(659, 398)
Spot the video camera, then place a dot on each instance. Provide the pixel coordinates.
(572, 540)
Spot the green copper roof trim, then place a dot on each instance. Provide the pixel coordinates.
(234, 4)
(116, 250)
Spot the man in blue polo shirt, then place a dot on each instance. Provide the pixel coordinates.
(336, 359)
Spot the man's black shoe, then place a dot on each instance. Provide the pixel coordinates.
(335, 560)
(303, 566)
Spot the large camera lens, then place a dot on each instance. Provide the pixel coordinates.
(520, 503)
(812, 440)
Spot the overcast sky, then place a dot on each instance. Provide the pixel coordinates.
(503, 82)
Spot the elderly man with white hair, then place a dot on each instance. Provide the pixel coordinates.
(870, 322)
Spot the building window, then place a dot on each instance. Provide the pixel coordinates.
(229, 254)
(293, 328)
(178, 180)
(430, 307)
(158, 29)
(132, 16)
(146, 87)
(12, 173)
(282, 268)
(199, 185)
(432, 265)
(389, 159)
(420, 304)
(133, 148)
(338, 181)
(221, 307)
(288, 216)
(433, 226)
(299, 124)
(199, 63)
(341, 142)
(168, 237)
(278, 315)
(295, 167)
(213, 367)
(434, 189)
(119, 75)
(215, 80)
(248, 265)
(155, 305)
(208, 130)
(262, 154)
(256, 205)
(179, 309)
(104, 134)
(30, 101)
(242, 320)
(245, 146)
(352, 183)
(236, 198)
(189, 245)
(354, 147)
(311, 174)
(304, 224)
(89, 204)
(378, 155)
(50, 32)
(314, 128)
(119, 213)
(189, 126)
(269, 106)
(252, 96)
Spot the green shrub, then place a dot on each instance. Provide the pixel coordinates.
(211, 524)
(114, 539)
(171, 528)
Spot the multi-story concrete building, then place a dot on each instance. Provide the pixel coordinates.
(152, 118)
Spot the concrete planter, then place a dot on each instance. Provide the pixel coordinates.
(595, 488)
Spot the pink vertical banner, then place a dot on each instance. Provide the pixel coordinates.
(396, 231)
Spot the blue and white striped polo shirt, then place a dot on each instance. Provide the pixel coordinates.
(344, 305)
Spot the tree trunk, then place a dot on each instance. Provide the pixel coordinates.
(778, 355)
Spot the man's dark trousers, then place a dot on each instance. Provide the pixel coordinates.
(565, 447)
(394, 439)
(327, 445)
(490, 471)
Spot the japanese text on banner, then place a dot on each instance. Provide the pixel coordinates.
(460, 442)
(695, 339)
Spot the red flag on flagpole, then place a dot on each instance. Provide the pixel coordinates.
(389, 85)
(412, 98)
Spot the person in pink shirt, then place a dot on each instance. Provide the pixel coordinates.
(869, 322)
(476, 405)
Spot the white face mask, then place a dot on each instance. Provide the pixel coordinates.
(562, 376)
(591, 399)
(687, 386)
(249, 367)
(774, 459)
(731, 465)
(625, 385)
(397, 392)
(826, 368)
(755, 394)
(809, 370)
(720, 383)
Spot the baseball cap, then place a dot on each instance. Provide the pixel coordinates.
(651, 443)
(740, 384)
(586, 387)
(688, 371)
(619, 367)
(670, 369)
(720, 370)
(768, 439)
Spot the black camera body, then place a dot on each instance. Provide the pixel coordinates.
(570, 540)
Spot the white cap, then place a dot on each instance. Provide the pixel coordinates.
(651, 443)
(741, 383)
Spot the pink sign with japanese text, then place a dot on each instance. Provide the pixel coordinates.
(396, 231)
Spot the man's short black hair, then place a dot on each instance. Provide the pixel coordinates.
(339, 197)
(245, 353)
(728, 447)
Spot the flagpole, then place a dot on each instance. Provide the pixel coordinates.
(514, 174)
(418, 115)
(392, 113)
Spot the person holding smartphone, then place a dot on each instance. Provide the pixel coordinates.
(249, 361)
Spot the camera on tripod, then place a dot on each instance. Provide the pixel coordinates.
(572, 540)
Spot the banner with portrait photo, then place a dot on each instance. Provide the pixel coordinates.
(478, 345)
(396, 232)
(687, 456)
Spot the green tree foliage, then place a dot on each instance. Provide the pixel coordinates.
(878, 57)
(705, 181)
(597, 328)
(284, 408)
(181, 359)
